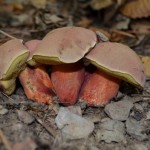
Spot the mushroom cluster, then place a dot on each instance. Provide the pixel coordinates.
(71, 63)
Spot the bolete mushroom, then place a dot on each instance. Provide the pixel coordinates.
(65, 45)
(13, 56)
(118, 60)
(35, 80)
(115, 62)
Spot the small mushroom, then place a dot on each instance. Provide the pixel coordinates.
(35, 80)
(13, 56)
(65, 45)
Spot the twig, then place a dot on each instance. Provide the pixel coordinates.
(7, 96)
(8, 35)
(5, 141)
(50, 130)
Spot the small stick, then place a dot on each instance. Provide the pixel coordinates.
(8, 35)
(5, 141)
(7, 96)
(50, 130)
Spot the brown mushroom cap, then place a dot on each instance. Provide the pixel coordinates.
(32, 45)
(13, 56)
(65, 45)
(118, 60)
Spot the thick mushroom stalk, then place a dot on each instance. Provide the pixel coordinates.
(13, 56)
(99, 88)
(67, 80)
(37, 84)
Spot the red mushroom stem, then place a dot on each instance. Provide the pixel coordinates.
(37, 84)
(67, 80)
(99, 88)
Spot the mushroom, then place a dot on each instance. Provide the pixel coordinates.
(65, 45)
(115, 62)
(13, 56)
(118, 60)
(35, 80)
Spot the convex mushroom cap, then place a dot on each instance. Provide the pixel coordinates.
(118, 60)
(13, 56)
(65, 45)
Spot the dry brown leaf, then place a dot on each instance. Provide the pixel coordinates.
(136, 9)
(118, 35)
(146, 62)
(141, 28)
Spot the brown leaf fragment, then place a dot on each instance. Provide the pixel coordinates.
(141, 28)
(67, 80)
(136, 9)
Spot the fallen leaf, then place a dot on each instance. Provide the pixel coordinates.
(146, 62)
(141, 28)
(136, 9)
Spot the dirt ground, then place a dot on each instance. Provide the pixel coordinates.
(37, 129)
